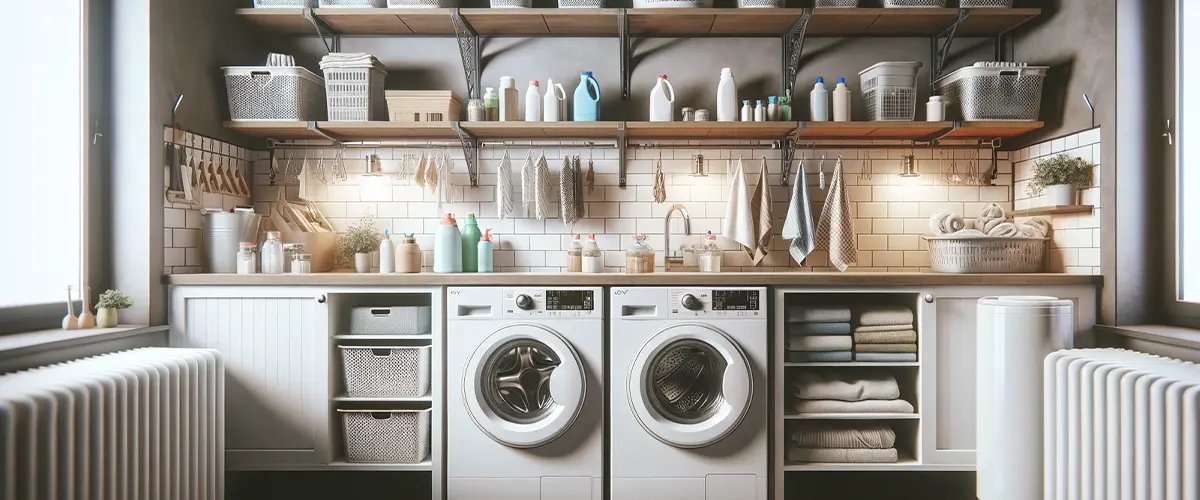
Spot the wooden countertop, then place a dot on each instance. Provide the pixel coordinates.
(620, 279)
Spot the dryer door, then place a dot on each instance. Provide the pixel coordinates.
(523, 385)
(690, 385)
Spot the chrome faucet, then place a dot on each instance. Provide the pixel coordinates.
(668, 260)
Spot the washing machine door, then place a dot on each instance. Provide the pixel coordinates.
(523, 385)
(690, 385)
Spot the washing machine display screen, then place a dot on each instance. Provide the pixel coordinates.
(735, 300)
(569, 300)
(516, 380)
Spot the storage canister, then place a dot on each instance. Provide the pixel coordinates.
(476, 112)
(223, 234)
(408, 255)
(302, 264)
(247, 258)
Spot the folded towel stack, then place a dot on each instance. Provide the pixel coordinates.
(991, 222)
(819, 334)
(350, 60)
(849, 442)
(840, 391)
(885, 334)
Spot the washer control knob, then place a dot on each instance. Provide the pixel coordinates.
(524, 302)
(691, 303)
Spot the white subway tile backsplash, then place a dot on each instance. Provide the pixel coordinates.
(174, 217)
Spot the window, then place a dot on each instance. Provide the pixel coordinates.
(44, 94)
(1184, 180)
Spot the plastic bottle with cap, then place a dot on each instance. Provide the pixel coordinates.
(447, 247)
(727, 97)
(760, 112)
(585, 107)
(484, 252)
(533, 102)
(841, 101)
(387, 254)
(772, 109)
(662, 101)
(470, 244)
(819, 101)
(747, 111)
(575, 256)
(593, 261)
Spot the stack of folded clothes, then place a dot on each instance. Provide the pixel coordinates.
(885, 334)
(817, 334)
(845, 443)
(841, 391)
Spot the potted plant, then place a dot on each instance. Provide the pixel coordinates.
(1060, 178)
(110, 302)
(357, 244)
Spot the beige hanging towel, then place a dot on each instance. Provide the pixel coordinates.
(739, 224)
(504, 187)
(541, 177)
(835, 231)
(760, 208)
(528, 182)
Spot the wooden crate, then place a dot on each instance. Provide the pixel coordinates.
(422, 106)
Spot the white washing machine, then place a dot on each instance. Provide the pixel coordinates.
(688, 404)
(525, 394)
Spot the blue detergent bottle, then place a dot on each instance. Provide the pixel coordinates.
(587, 108)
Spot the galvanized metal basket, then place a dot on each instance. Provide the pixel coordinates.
(986, 254)
(995, 91)
(388, 436)
(580, 4)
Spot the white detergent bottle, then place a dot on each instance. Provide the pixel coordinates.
(760, 113)
(533, 102)
(841, 101)
(508, 99)
(662, 101)
(819, 102)
(387, 254)
(727, 108)
(747, 111)
(553, 101)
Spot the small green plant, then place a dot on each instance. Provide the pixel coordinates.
(362, 237)
(114, 299)
(1061, 169)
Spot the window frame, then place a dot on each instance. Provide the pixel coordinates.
(95, 70)
(1177, 310)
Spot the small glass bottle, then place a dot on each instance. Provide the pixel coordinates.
(301, 263)
(640, 258)
(575, 256)
(491, 104)
(290, 251)
(709, 255)
(272, 254)
(247, 258)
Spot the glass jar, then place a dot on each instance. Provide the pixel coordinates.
(272, 254)
(640, 258)
(247, 258)
(290, 251)
(476, 112)
(709, 255)
(301, 263)
(575, 256)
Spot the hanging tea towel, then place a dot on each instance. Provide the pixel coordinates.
(504, 187)
(568, 179)
(528, 182)
(798, 226)
(541, 181)
(760, 207)
(835, 230)
(739, 225)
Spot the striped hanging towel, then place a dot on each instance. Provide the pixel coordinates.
(504, 187)
(760, 209)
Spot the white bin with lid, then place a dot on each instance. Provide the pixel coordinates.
(1014, 336)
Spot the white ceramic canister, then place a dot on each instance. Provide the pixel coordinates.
(935, 109)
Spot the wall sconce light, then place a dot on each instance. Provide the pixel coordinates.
(699, 167)
(374, 169)
(908, 167)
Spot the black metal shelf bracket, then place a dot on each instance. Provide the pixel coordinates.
(793, 47)
(626, 56)
(940, 45)
(622, 145)
(329, 37)
(468, 48)
(787, 153)
(470, 145)
(312, 127)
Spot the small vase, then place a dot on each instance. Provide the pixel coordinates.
(106, 317)
(362, 262)
(1061, 195)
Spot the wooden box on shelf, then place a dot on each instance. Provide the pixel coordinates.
(423, 106)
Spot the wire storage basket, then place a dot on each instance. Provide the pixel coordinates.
(761, 4)
(986, 254)
(356, 94)
(398, 320)
(975, 4)
(835, 3)
(377, 4)
(386, 437)
(890, 90)
(284, 3)
(913, 3)
(683, 4)
(580, 4)
(274, 93)
(386, 371)
(422, 4)
(511, 4)
(995, 91)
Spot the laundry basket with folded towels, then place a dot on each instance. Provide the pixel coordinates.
(843, 390)
(842, 442)
(884, 334)
(819, 334)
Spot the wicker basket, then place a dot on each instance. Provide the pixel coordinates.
(995, 91)
(890, 90)
(975, 4)
(914, 3)
(386, 371)
(423, 106)
(356, 94)
(422, 4)
(274, 93)
(835, 3)
(985, 254)
(377, 4)
(258, 4)
(386, 437)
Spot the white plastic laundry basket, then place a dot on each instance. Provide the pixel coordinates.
(388, 436)
(372, 371)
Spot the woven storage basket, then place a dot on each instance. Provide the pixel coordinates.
(974, 4)
(835, 3)
(985, 254)
(511, 4)
(995, 92)
(580, 4)
(422, 106)
(386, 371)
(682, 4)
(422, 4)
(377, 4)
(386, 437)
(274, 93)
(258, 4)
(400, 320)
(890, 90)
(356, 94)
(914, 3)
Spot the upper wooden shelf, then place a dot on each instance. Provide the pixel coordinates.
(826, 22)
(993, 129)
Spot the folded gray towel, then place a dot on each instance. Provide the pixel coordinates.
(841, 385)
(884, 328)
(885, 348)
(811, 314)
(818, 328)
(885, 315)
(849, 434)
(819, 343)
(831, 406)
(819, 357)
(842, 456)
(885, 357)
(889, 337)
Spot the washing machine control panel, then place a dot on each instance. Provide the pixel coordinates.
(716, 303)
(551, 303)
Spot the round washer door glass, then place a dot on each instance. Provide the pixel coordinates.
(690, 385)
(523, 385)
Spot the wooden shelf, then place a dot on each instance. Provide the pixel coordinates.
(708, 130)
(993, 129)
(542, 130)
(1053, 210)
(342, 464)
(873, 130)
(832, 22)
(853, 416)
(903, 464)
(852, 363)
(273, 129)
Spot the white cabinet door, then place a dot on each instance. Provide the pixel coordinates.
(276, 342)
(948, 363)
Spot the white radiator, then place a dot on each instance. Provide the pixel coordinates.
(1120, 425)
(144, 424)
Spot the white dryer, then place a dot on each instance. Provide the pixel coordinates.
(525, 395)
(688, 389)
